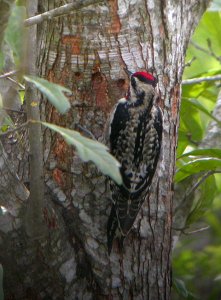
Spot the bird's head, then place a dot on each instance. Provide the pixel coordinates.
(141, 83)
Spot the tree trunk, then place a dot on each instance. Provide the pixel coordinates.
(87, 52)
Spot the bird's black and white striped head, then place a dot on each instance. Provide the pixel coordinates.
(141, 84)
(143, 77)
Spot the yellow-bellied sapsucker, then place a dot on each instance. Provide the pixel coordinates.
(133, 134)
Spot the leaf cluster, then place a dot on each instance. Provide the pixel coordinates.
(196, 262)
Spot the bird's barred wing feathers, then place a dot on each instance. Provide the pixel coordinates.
(137, 170)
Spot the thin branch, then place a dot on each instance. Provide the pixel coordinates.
(194, 187)
(60, 11)
(189, 63)
(199, 47)
(15, 129)
(197, 230)
(182, 230)
(212, 53)
(201, 79)
(12, 110)
(209, 52)
(86, 131)
(8, 74)
(198, 183)
(22, 87)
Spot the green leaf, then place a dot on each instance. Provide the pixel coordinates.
(180, 287)
(181, 145)
(53, 92)
(200, 107)
(193, 90)
(90, 150)
(191, 121)
(197, 166)
(209, 97)
(203, 204)
(1, 283)
(14, 34)
(208, 28)
(22, 95)
(212, 152)
(1, 61)
(5, 120)
(4, 128)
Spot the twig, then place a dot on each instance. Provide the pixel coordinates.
(182, 230)
(12, 110)
(86, 131)
(62, 10)
(8, 74)
(209, 52)
(194, 187)
(179, 229)
(197, 230)
(198, 183)
(15, 129)
(189, 63)
(199, 47)
(212, 53)
(201, 79)
(16, 82)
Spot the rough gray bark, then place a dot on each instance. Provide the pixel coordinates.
(87, 52)
(12, 192)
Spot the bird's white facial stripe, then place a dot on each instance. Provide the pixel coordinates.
(122, 100)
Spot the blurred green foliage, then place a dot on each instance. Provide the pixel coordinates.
(14, 35)
(197, 257)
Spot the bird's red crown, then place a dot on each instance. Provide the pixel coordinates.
(146, 75)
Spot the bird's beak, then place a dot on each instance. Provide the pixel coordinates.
(129, 73)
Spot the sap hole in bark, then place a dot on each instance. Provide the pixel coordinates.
(120, 82)
(77, 74)
(97, 77)
(121, 86)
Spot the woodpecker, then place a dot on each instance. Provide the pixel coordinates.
(133, 134)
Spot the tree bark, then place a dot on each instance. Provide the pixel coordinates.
(87, 51)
